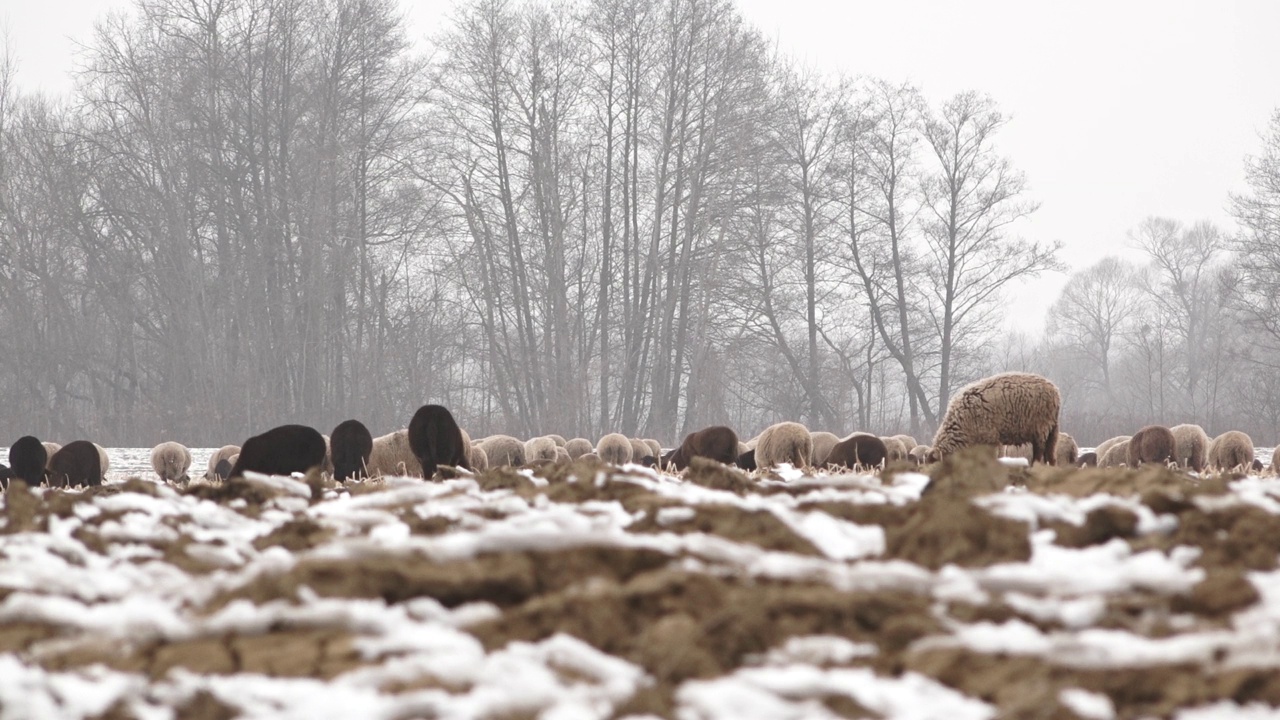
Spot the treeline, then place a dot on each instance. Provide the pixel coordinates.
(581, 217)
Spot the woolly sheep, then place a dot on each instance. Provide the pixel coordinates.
(717, 443)
(639, 450)
(1106, 446)
(557, 439)
(785, 442)
(562, 456)
(655, 447)
(822, 442)
(742, 448)
(1089, 459)
(350, 446)
(436, 439)
(282, 450)
(171, 460)
(907, 441)
(920, 454)
(747, 460)
(1068, 451)
(1232, 449)
(222, 454)
(392, 455)
(1005, 409)
(862, 450)
(50, 448)
(1116, 456)
(1191, 446)
(578, 447)
(1275, 461)
(503, 450)
(1153, 444)
(104, 462)
(614, 448)
(28, 460)
(77, 463)
(479, 460)
(539, 448)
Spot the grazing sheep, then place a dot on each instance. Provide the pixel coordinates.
(1089, 459)
(1005, 409)
(1275, 461)
(1232, 449)
(1257, 465)
(1116, 456)
(1191, 446)
(562, 456)
(436, 439)
(503, 450)
(896, 449)
(171, 460)
(578, 447)
(557, 439)
(539, 449)
(28, 460)
(717, 443)
(907, 441)
(392, 455)
(655, 447)
(282, 450)
(77, 463)
(326, 467)
(1068, 451)
(50, 448)
(1106, 446)
(785, 442)
(6, 475)
(747, 460)
(1153, 444)
(220, 456)
(103, 461)
(614, 448)
(350, 446)
(742, 448)
(479, 460)
(920, 454)
(862, 450)
(639, 450)
(822, 443)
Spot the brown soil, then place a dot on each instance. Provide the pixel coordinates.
(758, 527)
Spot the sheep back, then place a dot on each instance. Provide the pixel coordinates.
(282, 450)
(1089, 459)
(1005, 409)
(614, 448)
(350, 445)
(171, 460)
(77, 463)
(436, 439)
(907, 441)
(479, 459)
(1152, 444)
(392, 455)
(862, 450)
(539, 449)
(822, 442)
(578, 447)
(1107, 444)
(1116, 455)
(1191, 446)
(503, 450)
(717, 443)
(785, 442)
(639, 450)
(28, 460)
(1231, 450)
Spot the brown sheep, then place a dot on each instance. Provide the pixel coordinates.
(1232, 449)
(539, 448)
(1153, 444)
(562, 456)
(1089, 459)
(437, 440)
(350, 445)
(785, 442)
(1106, 445)
(1005, 409)
(503, 450)
(30, 460)
(77, 463)
(557, 439)
(1191, 446)
(615, 449)
(639, 450)
(1117, 455)
(578, 447)
(222, 455)
(170, 460)
(822, 444)
(717, 443)
(1068, 451)
(862, 450)
(896, 449)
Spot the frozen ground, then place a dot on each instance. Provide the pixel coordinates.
(596, 592)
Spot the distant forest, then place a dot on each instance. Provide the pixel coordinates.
(581, 217)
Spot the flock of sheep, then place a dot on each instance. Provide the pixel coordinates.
(1014, 412)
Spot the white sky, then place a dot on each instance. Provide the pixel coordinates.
(1120, 108)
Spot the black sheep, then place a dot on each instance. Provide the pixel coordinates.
(747, 460)
(77, 463)
(717, 443)
(436, 439)
(282, 450)
(350, 445)
(28, 459)
(862, 449)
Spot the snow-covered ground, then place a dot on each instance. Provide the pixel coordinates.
(621, 592)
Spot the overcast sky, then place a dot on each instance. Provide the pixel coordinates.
(1120, 108)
